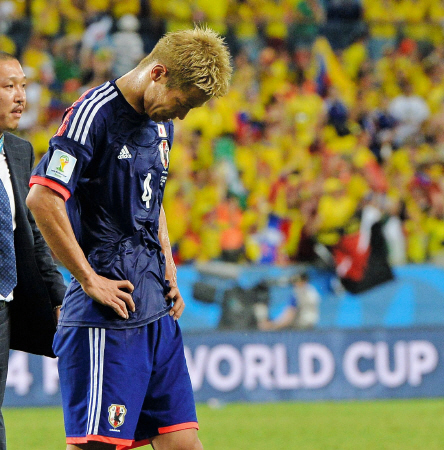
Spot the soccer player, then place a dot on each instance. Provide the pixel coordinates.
(123, 374)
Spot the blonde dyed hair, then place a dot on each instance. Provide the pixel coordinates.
(195, 57)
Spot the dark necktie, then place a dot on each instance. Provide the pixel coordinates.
(8, 272)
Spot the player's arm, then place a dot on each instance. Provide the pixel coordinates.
(49, 211)
(285, 320)
(170, 270)
(48, 270)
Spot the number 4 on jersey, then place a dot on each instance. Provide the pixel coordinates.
(147, 191)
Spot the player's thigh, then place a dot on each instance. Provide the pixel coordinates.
(91, 446)
(177, 440)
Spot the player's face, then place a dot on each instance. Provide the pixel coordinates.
(12, 94)
(168, 104)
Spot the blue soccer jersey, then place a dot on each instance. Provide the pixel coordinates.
(110, 163)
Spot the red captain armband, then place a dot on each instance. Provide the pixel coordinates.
(51, 184)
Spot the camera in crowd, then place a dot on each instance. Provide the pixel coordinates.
(241, 308)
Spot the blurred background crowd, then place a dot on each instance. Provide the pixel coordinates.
(328, 146)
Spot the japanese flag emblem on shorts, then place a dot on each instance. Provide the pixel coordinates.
(116, 415)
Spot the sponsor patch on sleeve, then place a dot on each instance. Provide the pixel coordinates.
(61, 166)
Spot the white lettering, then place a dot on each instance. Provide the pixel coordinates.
(233, 378)
(398, 376)
(50, 376)
(226, 368)
(410, 362)
(147, 191)
(283, 379)
(311, 378)
(352, 356)
(258, 366)
(19, 376)
(423, 359)
(196, 366)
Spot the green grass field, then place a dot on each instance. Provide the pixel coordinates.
(376, 425)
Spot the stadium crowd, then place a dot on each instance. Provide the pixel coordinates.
(334, 115)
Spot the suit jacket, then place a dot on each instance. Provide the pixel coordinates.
(40, 285)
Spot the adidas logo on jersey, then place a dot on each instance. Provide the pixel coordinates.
(124, 153)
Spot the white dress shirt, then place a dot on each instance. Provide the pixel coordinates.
(5, 176)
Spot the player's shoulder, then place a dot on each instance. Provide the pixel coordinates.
(92, 108)
(97, 92)
(94, 100)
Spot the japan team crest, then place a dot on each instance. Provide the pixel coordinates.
(116, 415)
(164, 150)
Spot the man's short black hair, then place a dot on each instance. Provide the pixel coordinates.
(6, 56)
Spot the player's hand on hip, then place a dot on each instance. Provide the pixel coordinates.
(179, 305)
(113, 293)
(56, 312)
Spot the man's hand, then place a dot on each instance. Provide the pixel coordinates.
(170, 269)
(49, 210)
(111, 293)
(265, 325)
(179, 305)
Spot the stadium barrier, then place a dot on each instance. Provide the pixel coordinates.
(414, 298)
(258, 367)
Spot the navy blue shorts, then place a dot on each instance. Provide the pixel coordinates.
(124, 387)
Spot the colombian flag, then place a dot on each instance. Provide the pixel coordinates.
(328, 71)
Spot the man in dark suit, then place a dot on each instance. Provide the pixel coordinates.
(31, 288)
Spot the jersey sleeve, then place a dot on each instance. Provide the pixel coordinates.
(62, 166)
(72, 148)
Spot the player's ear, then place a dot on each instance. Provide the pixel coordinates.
(159, 72)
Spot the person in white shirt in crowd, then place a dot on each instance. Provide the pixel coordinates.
(127, 45)
(409, 110)
(302, 311)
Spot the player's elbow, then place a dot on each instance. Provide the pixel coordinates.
(44, 202)
(31, 200)
(36, 201)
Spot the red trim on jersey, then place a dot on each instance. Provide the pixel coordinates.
(121, 444)
(64, 124)
(51, 184)
(69, 111)
(179, 427)
(135, 445)
(126, 443)
(163, 430)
